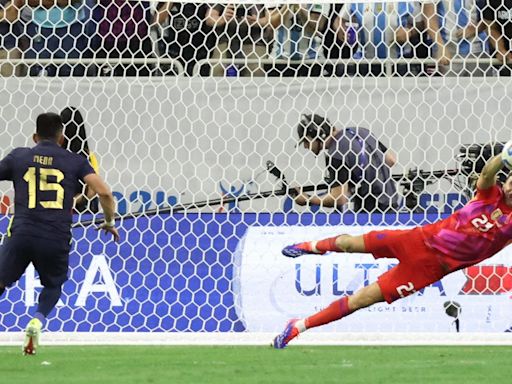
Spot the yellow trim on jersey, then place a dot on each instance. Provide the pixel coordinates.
(94, 162)
(9, 226)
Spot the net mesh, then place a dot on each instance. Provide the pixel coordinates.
(193, 113)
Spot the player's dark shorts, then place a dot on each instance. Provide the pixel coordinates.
(49, 257)
(418, 266)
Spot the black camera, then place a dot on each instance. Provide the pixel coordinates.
(473, 157)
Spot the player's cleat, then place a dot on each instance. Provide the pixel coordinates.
(300, 249)
(289, 333)
(32, 337)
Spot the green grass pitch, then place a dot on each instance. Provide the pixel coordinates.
(242, 364)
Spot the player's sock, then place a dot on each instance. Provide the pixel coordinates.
(335, 311)
(48, 299)
(300, 325)
(319, 246)
(326, 245)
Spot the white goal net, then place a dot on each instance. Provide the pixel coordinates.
(192, 112)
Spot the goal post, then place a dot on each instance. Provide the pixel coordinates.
(203, 221)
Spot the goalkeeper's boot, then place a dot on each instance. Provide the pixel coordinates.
(289, 333)
(301, 249)
(32, 337)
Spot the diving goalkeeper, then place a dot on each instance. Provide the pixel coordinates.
(426, 254)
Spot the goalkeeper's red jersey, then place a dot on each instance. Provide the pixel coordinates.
(474, 233)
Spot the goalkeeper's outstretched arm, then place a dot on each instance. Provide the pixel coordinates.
(487, 177)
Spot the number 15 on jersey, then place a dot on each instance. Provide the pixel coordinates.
(49, 180)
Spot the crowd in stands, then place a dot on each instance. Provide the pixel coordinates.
(445, 37)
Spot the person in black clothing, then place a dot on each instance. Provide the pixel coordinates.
(333, 47)
(497, 14)
(184, 33)
(75, 140)
(358, 166)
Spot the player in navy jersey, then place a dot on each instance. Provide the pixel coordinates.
(46, 178)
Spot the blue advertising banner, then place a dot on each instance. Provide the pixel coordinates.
(169, 273)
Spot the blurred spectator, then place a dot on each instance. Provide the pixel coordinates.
(497, 15)
(298, 36)
(453, 26)
(380, 30)
(183, 33)
(122, 32)
(244, 32)
(408, 26)
(333, 47)
(9, 35)
(57, 31)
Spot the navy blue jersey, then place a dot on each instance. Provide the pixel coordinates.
(46, 178)
(356, 157)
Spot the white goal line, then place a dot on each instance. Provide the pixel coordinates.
(259, 338)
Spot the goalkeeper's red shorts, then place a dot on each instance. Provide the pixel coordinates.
(418, 266)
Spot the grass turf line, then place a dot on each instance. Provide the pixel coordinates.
(239, 364)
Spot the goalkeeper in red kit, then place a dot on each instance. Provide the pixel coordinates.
(426, 254)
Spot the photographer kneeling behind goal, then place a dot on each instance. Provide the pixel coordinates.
(358, 167)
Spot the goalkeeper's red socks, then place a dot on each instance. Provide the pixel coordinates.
(335, 311)
(320, 246)
(327, 245)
